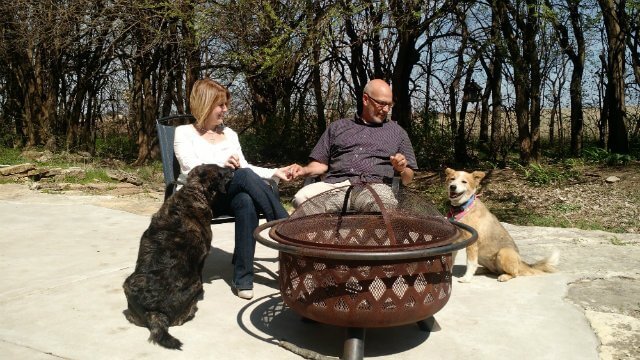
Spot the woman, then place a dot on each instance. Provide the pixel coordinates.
(208, 141)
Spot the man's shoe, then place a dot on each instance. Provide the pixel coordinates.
(245, 294)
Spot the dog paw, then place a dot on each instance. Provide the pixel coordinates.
(464, 280)
(504, 277)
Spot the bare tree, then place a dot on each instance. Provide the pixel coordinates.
(56, 54)
(411, 21)
(613, 13)
(576, 54)
(520, 26)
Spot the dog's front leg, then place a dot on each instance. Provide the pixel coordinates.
(472, 263)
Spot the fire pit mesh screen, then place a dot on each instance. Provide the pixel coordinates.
(366, 218)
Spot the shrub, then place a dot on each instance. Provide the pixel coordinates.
(118, 147)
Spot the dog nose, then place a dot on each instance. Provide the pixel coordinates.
(452, 187)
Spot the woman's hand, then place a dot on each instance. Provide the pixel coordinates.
(284, 173)
(233, 162)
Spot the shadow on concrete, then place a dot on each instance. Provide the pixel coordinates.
(274, 321)
(218, 266)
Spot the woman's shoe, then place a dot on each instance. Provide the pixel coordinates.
(246, 294)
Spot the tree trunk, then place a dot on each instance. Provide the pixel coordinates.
(357, 65)
(321, 122)
(577, 57)
(495, 83)
(575, 88)
(460, 147)
(533, 61)
(407, 58)
(520, 81)
(613, 15)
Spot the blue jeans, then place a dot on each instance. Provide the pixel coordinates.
(248, 195)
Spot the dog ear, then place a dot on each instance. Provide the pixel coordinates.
(224, 177)
(449, 171)
(195, 177)
(478, 175)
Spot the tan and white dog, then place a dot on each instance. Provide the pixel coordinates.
(495, 248)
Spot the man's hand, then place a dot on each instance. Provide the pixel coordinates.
(296, 171)
(314, 168)
(399, 162)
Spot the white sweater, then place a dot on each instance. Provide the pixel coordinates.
(192, 150)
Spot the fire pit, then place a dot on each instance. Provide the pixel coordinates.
(388, 264)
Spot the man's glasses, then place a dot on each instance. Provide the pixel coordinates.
(380, 104)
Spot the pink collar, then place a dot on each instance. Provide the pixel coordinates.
(458, 212)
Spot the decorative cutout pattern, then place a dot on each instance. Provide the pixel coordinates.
(341, 294)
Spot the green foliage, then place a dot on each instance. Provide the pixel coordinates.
(565, 208)
(91, 175)
(615, 241)
(118, 147)
(11, 156)
(595, 154)
(431, 146)
(546, 221)
(602, 156)
(540, 175)
(435, 193)
(150, 173)
(7, 132)
(276, 143)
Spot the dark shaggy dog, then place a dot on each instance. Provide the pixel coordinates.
(167, 282)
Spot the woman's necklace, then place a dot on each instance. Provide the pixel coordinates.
(212, 136)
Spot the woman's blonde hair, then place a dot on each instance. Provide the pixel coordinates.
(206, 94)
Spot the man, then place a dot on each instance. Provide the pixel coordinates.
(365, 149)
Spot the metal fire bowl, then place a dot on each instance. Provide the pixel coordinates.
(365, 289)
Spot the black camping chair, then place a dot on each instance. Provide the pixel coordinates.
(166, 128)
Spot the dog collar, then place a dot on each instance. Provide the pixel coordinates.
(458, 212)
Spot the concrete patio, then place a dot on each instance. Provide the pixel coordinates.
(64, 259)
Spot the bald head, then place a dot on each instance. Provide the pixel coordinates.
(377, 87)
(377, 100)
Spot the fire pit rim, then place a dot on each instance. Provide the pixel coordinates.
(364, 255)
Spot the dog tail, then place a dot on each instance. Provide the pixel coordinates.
(159, 326)
(546, 265)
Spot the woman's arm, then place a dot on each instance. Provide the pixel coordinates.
(184, 148)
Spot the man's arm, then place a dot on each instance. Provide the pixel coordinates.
(314, 168)
(406, 176)
(399, 163)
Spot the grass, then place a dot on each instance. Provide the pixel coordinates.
(10, 156)
(543, 175)
(94, 169)
(90, 175)
(615, 241)
(565, 208)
